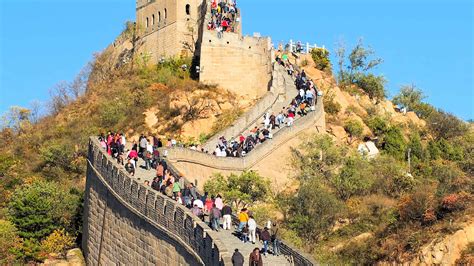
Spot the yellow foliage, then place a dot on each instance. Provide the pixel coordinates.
(57, 242)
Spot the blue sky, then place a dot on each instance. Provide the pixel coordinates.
(425, 42)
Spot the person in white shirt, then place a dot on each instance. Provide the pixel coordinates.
(252, 229)
(198, 203)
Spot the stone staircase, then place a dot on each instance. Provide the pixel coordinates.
(229, 240)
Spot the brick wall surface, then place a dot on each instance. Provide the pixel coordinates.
(126, 223)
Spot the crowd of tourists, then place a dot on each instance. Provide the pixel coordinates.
(224, 16)
(208, 208)
(301, 105)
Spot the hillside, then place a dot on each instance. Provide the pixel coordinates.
(352, 209)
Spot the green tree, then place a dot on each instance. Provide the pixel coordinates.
(355, 130)
(317, 157)
(409, 96)
(394, 142)
(415, 146)
(313, 210)
(39, 208)
(352, 179)
(373, 85)
(321, 58)
(446, 125)
(240, 190)
(378, 125)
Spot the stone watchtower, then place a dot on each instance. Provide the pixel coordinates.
(178, 28)
(168, 28)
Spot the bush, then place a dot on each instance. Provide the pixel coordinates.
(417, 206)
(111, 113)
(373, 85)
(330, 106)
(313, 211)
(409, 97)
(352, 179)
(321, 58)
(378, 125)
(445, 125)
(226, 119)
(57, 242)
(394, 142)
(354, 128)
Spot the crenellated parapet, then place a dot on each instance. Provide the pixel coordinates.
(128, 223)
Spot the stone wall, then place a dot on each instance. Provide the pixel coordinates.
(277, 90)
(192, 163)
(165, 26)
(127, 223)
(241, 65)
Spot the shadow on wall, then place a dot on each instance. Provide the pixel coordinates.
(124, 217)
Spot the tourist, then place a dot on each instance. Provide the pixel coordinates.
(252, 228)
(237, 258)
(215, 216)
(198, 212)
(219, 203)
(193, 191)
(227, 217)
(265, 237)
(199, 203)
(176, 188)
(187, 197)
(255, 259)
(243, 218)
(130, 167)
(208, 204)
(275, 240)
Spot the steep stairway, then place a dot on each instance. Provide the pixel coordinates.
(226, 236)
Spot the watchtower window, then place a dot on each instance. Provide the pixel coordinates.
(166, 13)
(159, 16)
(153, 19)
(188, 9)
(146, 24)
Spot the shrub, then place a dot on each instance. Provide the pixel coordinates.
(57, 242)
(378, 125)
(111, 113)
(352, 179)
(417, 206)
(321, 58)
(313, 211)
(455, 202)
(354, 128)
(409, 97)
(226, 119)
(445, 125)
(330, 106)
(394, 142)
(373, 85)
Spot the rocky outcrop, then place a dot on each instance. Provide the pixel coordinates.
(448, 250)
(74, 257)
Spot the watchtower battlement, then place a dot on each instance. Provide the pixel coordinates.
(185, 28)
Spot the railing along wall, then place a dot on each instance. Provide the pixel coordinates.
(178, 154)
(250, 117)
(158, 210)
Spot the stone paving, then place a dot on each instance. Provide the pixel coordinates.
(226, 236)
